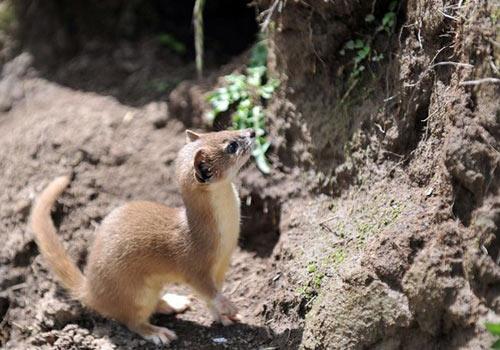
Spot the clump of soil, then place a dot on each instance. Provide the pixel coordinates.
(379, 227)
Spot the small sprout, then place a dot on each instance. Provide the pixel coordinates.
(172, 43)
(494, 329)
(312, 267)
(349, 45)
(388, 21)
(358, 44)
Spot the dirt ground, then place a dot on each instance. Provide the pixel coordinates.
(115, 152)
(378, 228)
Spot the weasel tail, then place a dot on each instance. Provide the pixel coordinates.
(49, 244)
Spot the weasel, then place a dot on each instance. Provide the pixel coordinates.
(142, 246)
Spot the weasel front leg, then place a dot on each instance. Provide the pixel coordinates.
(220, 273)
(221, 308)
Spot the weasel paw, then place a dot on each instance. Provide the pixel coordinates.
(224, 311)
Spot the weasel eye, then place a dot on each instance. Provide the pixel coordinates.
(232, 147)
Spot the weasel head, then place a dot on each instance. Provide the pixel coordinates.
(211, 158)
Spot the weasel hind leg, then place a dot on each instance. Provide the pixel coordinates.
(223, 310)
(173, 304)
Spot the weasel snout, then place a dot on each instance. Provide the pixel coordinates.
(249, 139)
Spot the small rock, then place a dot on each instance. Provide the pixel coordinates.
(19, 66)
(220, 340)
(428, 193)
(128, 117)
(22, 207)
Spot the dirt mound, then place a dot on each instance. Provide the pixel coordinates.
(420, 132)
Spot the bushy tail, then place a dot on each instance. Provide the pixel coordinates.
(49, 244)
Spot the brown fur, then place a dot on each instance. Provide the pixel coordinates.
(142, 246)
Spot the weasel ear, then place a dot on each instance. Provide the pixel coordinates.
(191, 136)
(202, 169)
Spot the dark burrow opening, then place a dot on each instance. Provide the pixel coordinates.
(144, 47)
(24, 256)
(4, 306)
(261, 217)
(230, 26)
(4, 332)
(463, 205)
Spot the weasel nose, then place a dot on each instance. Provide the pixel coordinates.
(251, 133)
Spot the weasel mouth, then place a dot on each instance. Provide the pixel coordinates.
(249, 144)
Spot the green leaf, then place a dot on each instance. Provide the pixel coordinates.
(210, 116)
(220, 105)
(242, 112)
(493, 328)
(262, 164)
(258, 56)
(257, 116)
(349, 45)
(265, 147)
(359, 43)
(388, 19)
(259, 132)
(496, 345)
(245, 103)
(311, 268)
(171, 42)
(235, 79)
(266, 91)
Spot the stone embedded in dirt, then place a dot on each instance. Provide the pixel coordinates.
(364, 309)
(19, 66)
(11, 87)
(22, 207)
(7, 86)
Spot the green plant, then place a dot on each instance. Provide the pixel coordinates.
(7, 16)
(171, 42)
(245, 94)
(362, 47)
(337, 257)
(494, 329)
(313, 284)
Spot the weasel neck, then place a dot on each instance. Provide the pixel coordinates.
(214, 210)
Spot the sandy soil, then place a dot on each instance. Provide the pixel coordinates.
(115, 152)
